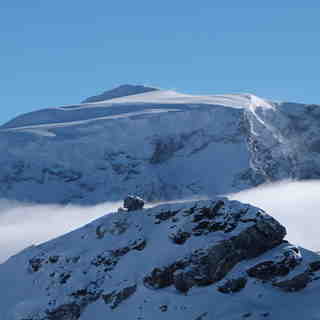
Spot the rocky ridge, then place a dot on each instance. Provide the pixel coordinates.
(215, 259)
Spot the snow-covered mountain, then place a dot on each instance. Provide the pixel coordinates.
(198, 260)
(159, 144)
(215, 259)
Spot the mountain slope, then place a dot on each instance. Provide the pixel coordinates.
(214, 259)
(160, 144)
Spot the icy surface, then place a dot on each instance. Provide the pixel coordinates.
(161, 145)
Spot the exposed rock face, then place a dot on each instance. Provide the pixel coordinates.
(133, 203)
(115, 298)
(65, 312)
(172, 260)
(233, 285)
(268, 270)
(211, 265)
(297, 283)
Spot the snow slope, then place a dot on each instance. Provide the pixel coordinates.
(160, 144)
(193, 260)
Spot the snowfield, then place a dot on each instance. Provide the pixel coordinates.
(146, 143)
(180, 259)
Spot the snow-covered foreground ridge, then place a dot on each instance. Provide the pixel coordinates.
(159, 144)
(215, 259)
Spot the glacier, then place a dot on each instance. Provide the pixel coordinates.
(159, 144)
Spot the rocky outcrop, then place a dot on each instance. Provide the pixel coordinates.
(268, 270)
(133, 203)
(297, 283)
(170, 260)
(257, 233)
(233, 285)
(116, 297)
(70, 311)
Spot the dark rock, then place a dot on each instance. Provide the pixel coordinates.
(64, 277)
(212, 264)
(265, 314)
(209, 213)
(202, 316)
(233, 285)
(133, 203)
(182, 282)
(180, 237)
(315, 266)
(166, 215)
(268, 270)
(36, 264)
(297, 283)
(164, 277)
(100, 231)
(165, 149)
(53, 259)
(163, 308)
(139, 244)
(115, 298)
(71, 311)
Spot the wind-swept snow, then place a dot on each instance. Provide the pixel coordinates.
(128, 106)
(160, 144)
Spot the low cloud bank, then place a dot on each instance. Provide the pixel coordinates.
(295, 204)
(22, 225)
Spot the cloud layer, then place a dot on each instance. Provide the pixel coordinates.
(295, 204)
(22, 225)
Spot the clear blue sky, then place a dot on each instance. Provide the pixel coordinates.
(59, 52)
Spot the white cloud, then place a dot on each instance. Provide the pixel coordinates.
(295, 204)
(22, 225)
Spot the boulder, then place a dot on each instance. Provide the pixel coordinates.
(133, 203)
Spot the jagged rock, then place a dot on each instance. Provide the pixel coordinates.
(53, 259)
(202, 316)
(85, 274)
(165, 149)
(163, 308)
(297, 283)
(182, 282)
(268, 270)
(164, 277)
(36, 263)
(115, 298)
(180, 237)
(315, 265)
(133, 203)
(69, 311)
(212, 264)
(166, 215)
(233, 285)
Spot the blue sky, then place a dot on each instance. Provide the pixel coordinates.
(59, 52)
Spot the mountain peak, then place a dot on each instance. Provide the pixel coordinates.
(120, 91)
